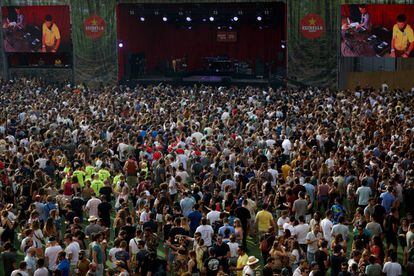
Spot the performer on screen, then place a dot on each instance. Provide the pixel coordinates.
(50, 35)
(402, 43)
(365, 19)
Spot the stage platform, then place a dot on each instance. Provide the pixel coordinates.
(205, 79)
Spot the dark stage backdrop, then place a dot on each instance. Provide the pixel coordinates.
(166, 41)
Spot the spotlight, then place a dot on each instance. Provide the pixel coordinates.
(164, 19)
(188, 19)
(142, 19)
(235, 18)
(283, 46)
(259, 18)
(230, 28)
(218, 28)
(211, 19)
(204, 20)
(189, 27)
(120, 44)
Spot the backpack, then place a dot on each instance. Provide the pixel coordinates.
(264, 245)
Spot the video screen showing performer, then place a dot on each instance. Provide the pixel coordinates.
(32, 29)
(377, 31)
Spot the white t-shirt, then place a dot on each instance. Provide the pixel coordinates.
(363, 193)
(326, 226)
(112, 253)
(313, 247)
(213, 216)
(290, 227)
(392, 269)
(41, 272)
(73, 248)
(233, 249)
(247, 271)
(22, 272)
(92, 206)
(206, 232)
(51, 253)
(280, 222)
(133, 245)
(301, 231)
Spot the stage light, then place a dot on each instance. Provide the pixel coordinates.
(188, 19)
(230, 28)
(259, 18)
(283, 46)
(218, 28)
(120, 45)
(211, 19)
(235, 18)
(142, 19)
(165, 19)
(189, 27)
(204, 20)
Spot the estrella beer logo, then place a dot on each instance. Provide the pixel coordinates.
(312, 26)
(94, 26)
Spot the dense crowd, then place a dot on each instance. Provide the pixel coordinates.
(205, 181)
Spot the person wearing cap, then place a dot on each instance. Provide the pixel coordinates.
(250, 267)
(93, 227)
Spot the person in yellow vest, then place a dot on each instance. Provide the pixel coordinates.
(96, 184)
(402, 43)
(104, 174)
(80, 175)
(50, 35)
(89, 171)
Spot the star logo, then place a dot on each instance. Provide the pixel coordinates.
(312, 21)
(94, 22)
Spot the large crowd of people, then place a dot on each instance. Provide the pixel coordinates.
(201, 180)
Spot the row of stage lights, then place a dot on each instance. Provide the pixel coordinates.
(211, 19)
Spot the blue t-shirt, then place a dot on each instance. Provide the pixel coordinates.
(387, 201)
(194, 217)
(64, 267)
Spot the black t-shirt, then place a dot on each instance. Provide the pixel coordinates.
(104, 210)
(320, 258)
(379, 212)
(107, 192)
(166, 229)
(243, 214)
(130, 231)
(151, 224)
(212, 265)
(336, 262)
(77, 206)
(70, 215)
(221, 250)
(177, 231)
(8, 258)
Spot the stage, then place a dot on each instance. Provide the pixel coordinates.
(231, 44)
(275, 82)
